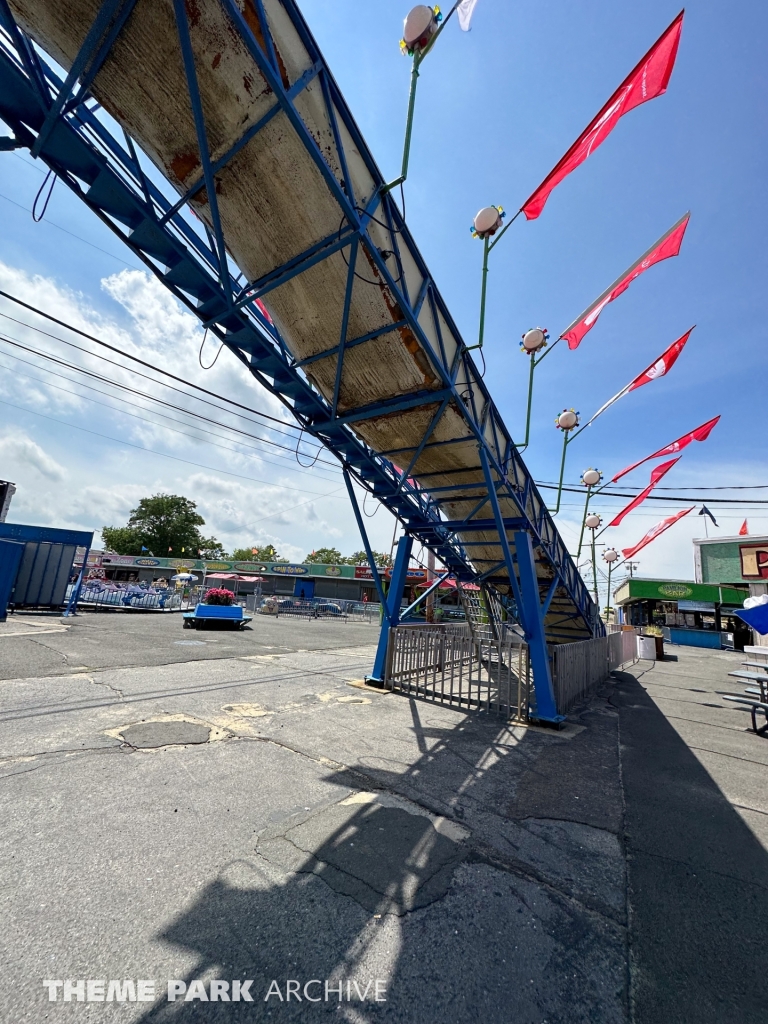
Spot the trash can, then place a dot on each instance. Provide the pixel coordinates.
(646, 648)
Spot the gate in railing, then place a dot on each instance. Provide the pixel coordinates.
(446, 664)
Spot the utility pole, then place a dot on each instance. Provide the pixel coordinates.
(430, 609)
(631, 566)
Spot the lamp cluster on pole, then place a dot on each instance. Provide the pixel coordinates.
(648, 80)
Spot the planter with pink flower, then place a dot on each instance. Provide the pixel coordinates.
(216, 608)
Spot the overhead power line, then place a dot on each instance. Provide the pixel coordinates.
(161, 383)
(142, 394)
(141, 362)
(662, 497)
(165, 455)
(104, 405)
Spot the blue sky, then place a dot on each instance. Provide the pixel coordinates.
(497, 108)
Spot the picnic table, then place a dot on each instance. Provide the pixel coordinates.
(754, 697)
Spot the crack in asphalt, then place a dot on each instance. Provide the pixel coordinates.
(32, 711)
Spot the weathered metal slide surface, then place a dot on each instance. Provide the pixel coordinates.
(233, 103)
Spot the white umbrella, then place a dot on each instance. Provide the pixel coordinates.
(186, 576)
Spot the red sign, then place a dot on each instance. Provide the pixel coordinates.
(363, 572)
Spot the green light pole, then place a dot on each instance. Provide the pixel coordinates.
(485, 225)
(534, 341)
(593, 522)
(590, 478)
(567, 421)
(420, 33)
(610, 556)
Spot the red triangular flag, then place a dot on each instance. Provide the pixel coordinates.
(662, 365)
(699, 434)
(744, 531)
(656, 531)
(656, 475)
(648, 80)
(668, 245)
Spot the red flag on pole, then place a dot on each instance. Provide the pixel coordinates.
(744, 531)
(699, 434)
(647, 81)
(668, 245)
(655, 532)
(662, 365)
(264, 312)
(656, 475)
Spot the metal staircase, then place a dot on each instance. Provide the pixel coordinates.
(261, 195)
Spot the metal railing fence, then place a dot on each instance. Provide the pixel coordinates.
(446, 664)
(101, 596)
(320, 608)
(579, 669)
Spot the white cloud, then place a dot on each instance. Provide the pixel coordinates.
(25, 453)
(97, 481)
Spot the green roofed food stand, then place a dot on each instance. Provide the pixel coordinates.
(692, 614)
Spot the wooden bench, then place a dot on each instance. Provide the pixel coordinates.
(226, 614)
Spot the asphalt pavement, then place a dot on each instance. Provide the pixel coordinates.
(220, 814)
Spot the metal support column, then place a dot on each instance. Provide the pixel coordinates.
(391, 615)
(546, 709)
(71, 608)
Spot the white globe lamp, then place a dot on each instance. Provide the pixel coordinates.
(534, 340)
(591, 477)
(419, 27)
(487, 222)
(567, 419)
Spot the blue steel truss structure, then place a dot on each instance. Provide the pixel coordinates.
(487, 523)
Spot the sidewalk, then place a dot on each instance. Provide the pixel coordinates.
(696, 794)
(293, 827)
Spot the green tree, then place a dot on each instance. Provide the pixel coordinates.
(211, 548)
(122, 539)
(163, 524)
(360, 558)
(265, 553)
(325, 556)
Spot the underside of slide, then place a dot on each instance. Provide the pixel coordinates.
(234, 106)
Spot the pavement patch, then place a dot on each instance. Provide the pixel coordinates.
(245, 710)
(165, 734)
(168, 731)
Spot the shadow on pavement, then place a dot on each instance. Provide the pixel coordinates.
(377, 887)
(698, 880)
